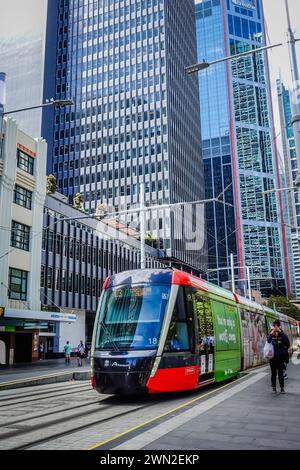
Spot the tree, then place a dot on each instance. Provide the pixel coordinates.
(101, 211)
(51, 186)
(284, 305)
(78, 201)
(150, 239)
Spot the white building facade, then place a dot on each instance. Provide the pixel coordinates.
(22, 197)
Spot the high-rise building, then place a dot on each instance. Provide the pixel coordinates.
(239, 147)
(22, 49)
(136, 114)
(291, 171)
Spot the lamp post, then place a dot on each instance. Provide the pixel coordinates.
(204, 65)
(52, 102)
(57, 103)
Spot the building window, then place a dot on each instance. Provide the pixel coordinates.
(20, 236)
(22, 197)
(17, 282)
(25, 162)
(42, 276)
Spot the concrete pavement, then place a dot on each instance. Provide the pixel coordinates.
(254, 418)
(43, 372)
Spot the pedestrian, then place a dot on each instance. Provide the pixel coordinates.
(86, 351)
(281, 346)
(67, 351)
(41, 350)
(80, 353)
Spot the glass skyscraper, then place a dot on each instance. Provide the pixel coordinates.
(22, 59)
(136, 114)
(238, 147)
(291, 170)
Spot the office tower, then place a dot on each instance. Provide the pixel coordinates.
(136, 113)
(22, 48)
(239, 147)
(291, 171)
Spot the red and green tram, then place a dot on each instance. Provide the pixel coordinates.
(166, 330)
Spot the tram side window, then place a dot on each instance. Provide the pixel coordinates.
(178, 337)
(205, 322)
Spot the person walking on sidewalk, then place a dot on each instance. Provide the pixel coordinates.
(80, 352)
(67, 351)
(281, 346)
(41, 350)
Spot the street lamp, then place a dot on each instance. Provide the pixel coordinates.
(56, 103)
(52, 102)
(204, 65)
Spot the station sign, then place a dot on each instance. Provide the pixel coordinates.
(250, 4)
(40, 315)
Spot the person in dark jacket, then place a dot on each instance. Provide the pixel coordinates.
(281, 345)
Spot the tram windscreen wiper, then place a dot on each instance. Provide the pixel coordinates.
(109, 335)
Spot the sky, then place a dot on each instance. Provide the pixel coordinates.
(29, 16)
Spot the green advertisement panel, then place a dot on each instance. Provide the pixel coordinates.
(227, 333)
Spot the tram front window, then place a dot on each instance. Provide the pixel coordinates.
(131, 317)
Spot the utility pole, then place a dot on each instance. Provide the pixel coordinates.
(142, 225)
(249, 284)
(2, 101)
(232, 272)
(295, 101)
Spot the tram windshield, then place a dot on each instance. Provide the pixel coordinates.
(131, 317)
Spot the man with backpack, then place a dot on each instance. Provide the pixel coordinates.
(281, 346)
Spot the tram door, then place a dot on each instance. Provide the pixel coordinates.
(206, 337)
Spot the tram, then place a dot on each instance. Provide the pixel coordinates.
(166, 331)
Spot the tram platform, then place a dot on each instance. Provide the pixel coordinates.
(43, 372)
(245, 415)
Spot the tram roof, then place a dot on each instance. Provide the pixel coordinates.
(167, 276)
(141, 276)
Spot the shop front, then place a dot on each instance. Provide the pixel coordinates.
(27, 336)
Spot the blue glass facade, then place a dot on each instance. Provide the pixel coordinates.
(136, 117)
(290, 170)
(238, 146)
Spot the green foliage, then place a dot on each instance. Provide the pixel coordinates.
(78, 201)
(150, 239)
(284, 305)
(51, 186)
(101, 210)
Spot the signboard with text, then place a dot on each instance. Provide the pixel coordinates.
(250, 4)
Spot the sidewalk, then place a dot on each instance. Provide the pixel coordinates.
(243, 415)
(43, 372)
(253, 418)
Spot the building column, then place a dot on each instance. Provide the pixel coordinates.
(34, 295)
(7, 184)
